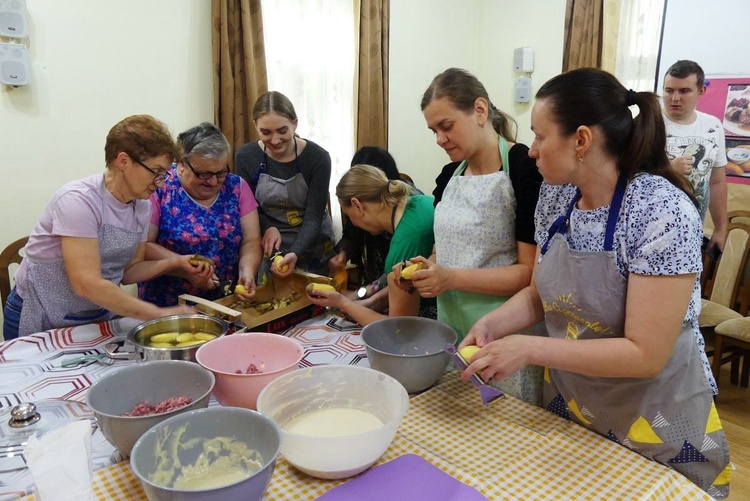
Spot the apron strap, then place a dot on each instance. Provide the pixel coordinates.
(502, 145)
(264, 163)
(561, 223)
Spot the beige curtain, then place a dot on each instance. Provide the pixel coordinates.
(610, 34)
(583, 34)
(239, 66)
(372, 84)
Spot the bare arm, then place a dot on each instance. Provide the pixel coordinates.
(250, 252)
(179, 265)
(655, 311)
(83, 265)
(401, 303)
(717, 206)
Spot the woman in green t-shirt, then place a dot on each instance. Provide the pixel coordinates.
(376, 204)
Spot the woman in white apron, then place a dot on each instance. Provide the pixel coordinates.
(290, 178)
(485, 200)
(616, 282)
(91, 238)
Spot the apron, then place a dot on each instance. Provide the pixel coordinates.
(669, 418)
(283, 203)
(49, 301)
(479, 212)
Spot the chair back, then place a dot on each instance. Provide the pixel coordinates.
(728, 277)
(739, 216)
(10, 255)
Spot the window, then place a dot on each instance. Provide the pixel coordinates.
(311, 58)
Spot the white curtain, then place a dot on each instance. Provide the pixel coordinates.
(638, 43)
(311, 58)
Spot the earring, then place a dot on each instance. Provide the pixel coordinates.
(580, 159)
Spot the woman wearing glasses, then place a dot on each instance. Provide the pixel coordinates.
(203, 209)
(91, 238)
(290, 177)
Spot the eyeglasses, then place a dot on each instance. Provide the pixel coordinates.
(160, 178)
(221, 175)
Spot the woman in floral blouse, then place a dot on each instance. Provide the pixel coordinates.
(203, 209)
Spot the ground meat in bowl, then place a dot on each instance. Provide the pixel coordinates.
(169, 404)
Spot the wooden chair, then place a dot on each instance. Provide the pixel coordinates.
(11, 254)
(726, 297)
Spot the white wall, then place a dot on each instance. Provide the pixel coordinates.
(428, 36)
(92, 64)
(709, 33)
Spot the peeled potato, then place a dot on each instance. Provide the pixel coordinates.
(407, 272)
(166, 337)
(189, 343)
(161, 345)
(277, 261)
(312, 288)
(204, 336)
(240, 289)
(468, 351)
(185, 337)
(745, 166)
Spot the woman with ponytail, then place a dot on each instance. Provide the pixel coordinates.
(616, 282)
(376, 204)
(484, 212)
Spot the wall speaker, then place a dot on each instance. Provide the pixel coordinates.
(13, 22)
(14, 64)
(523, 59)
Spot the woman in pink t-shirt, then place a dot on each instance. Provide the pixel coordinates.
(203, 209)
(91, 238)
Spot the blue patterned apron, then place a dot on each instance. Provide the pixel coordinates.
(187, 227)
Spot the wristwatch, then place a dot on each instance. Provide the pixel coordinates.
(368, 290)
(362, 292)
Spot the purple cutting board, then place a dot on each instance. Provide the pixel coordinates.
(408, 477)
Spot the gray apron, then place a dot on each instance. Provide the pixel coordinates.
(283, 203)
(479, 212)
(49, 301)
(670, 418)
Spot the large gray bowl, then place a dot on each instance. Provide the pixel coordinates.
(409, 349)
(254, 429)
(120, 390)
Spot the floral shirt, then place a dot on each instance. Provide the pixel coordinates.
(659, 232)
(187, 227)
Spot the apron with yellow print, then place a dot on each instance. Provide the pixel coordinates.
(475, 228)
(670, 418)
(283, 203)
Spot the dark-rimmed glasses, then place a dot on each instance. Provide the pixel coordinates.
(159, 179)
(205, 176)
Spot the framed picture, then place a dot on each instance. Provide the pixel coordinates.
(738, 156)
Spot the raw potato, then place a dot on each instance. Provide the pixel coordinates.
(240, 289)
(407, 272)
(161, 345)
(177, 340)
(468, 351)
(277, 261)
(198, 259)
(312, 288)
(204, 336)
(189, 343)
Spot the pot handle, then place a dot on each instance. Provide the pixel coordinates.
(210, 307)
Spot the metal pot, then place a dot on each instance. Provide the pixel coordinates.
(140, 336)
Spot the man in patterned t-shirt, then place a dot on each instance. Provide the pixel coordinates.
(695, 143)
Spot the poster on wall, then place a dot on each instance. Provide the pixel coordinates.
(728, 99)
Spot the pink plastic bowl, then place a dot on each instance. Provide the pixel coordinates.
(229, 358)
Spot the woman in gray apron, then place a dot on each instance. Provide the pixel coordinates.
(484, 229)
(290, 178)
(616, 282)
(91, 237)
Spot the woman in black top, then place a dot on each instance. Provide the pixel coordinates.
(289, 177)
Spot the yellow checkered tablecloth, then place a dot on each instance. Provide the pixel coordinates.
(508, 451)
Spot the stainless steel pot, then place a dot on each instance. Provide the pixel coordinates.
(140, 336)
